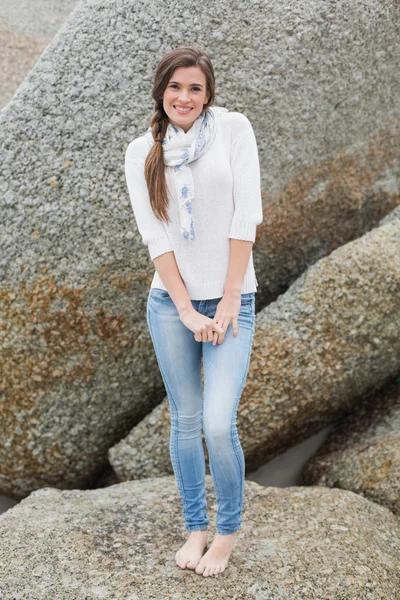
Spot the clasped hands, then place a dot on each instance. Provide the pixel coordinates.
(213, 330)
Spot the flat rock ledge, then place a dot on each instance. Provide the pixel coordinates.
(362, 452)
(119, 543)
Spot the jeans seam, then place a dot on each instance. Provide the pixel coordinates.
(235, 448)
(176, 453)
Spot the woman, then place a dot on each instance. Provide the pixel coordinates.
(194, 183)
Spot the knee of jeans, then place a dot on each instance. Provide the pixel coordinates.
(217, 433)
(190, 422)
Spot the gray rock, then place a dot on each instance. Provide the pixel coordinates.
(79, 366)
(362, 453)
(334, 335)
(120, 542)
(392, 216)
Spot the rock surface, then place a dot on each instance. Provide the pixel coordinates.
(334, 335)
(119, 543)
(362, 453)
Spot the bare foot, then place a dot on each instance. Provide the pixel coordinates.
(216, 558)
(192, 550)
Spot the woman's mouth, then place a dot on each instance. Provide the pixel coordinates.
(182, 111)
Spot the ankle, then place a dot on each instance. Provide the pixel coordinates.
(198, 533)
(225, 536)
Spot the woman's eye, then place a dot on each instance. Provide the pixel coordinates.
(197, 89)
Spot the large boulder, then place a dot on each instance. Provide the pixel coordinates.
(78, 365)
(334, 335)
(120, 542)
(362, 452)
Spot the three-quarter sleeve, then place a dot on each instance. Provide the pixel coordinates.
(152, 230)
(248, 211)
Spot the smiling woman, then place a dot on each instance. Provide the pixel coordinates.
(185, 96)
(194, 184)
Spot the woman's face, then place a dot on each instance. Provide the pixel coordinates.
(186, 89)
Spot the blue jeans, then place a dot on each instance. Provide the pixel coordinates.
(225, 368)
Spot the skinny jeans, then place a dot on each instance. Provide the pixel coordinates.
(225, 368)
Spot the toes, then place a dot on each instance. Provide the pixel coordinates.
(209, 571)
(199, 569)
(184, 563)
(181, 563)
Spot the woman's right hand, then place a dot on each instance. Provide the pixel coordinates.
(202, 326)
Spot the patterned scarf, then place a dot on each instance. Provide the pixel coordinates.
(180, 149)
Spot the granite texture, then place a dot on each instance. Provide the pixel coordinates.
(119, 543)
(362, 453)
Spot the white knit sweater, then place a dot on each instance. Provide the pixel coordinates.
(227, 205)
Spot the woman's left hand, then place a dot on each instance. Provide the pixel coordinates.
(227, 312)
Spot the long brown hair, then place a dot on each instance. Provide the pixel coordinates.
(154, 168)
